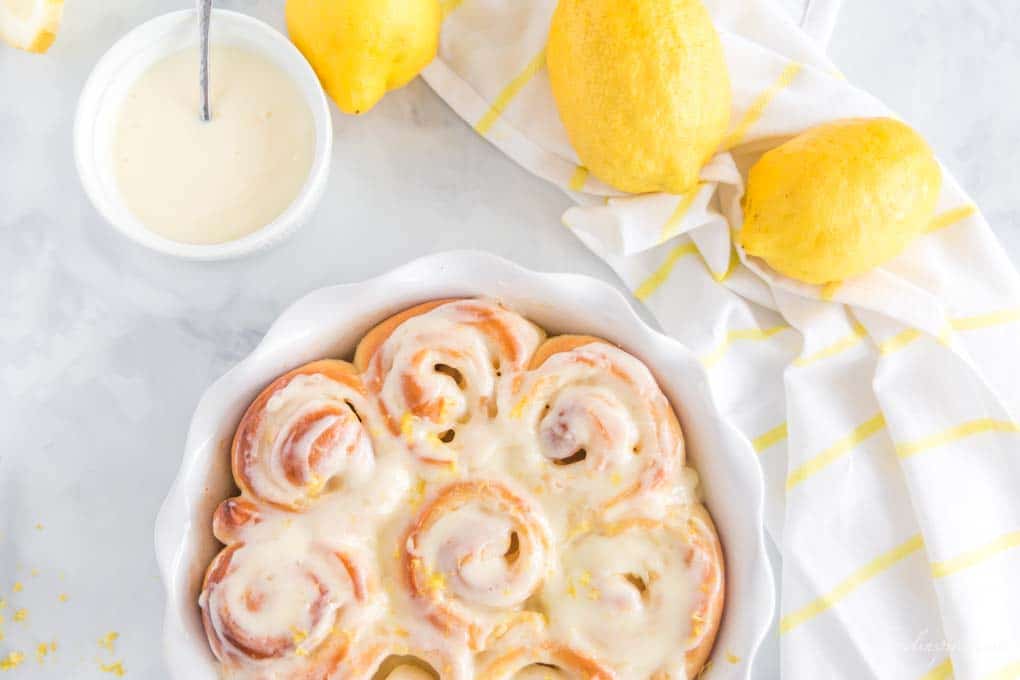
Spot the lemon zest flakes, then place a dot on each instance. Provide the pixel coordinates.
(113, 668)
(41, 651)
(20, 615)
(418, 494)
(316, 486)
(299, 635)
(615, 478)
(18, 587)
(407, 426)
(732, 658)
(518, 409)
(3, 604)
(39, 527)
(437, 581)
(11, 661)
(585, 578)
(63, 597)
(106, 642)
(571, 590)
(578, 529)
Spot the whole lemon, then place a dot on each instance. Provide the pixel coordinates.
(840, 199)
(642, 89)
(362, 49)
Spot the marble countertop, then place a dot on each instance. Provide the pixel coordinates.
(107, 347)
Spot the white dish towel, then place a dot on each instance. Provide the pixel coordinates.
(884, 409)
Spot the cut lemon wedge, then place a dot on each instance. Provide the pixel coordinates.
(30, 24)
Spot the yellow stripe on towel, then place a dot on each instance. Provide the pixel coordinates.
(829, 290)
(973, 323)
(836, 451)
(716, 355)
(855, 338)
(578, 179)
(659, 276)
(512, 89)
(976, 557)
(769, 439)
(951, 217)
(1008, 672)
(952, 434)
(731, 266)
(899, 341)
(758, 106)
(672, 225)
(851, 583)
(944, 671)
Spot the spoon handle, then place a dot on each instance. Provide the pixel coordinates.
(204, 12)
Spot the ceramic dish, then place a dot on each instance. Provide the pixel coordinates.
(128, 59)
(329, 322)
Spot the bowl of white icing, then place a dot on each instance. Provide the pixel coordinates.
(203, 190)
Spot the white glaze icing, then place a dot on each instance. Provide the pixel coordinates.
(459, 542)
(308, 436)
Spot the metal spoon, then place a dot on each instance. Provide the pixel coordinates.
(204, 12)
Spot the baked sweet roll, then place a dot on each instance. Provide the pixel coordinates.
(525, 649)
(391, 652)
(287, 608)
(595, 426)
(436, 370)
(466, 500)
(304, 435)
(474, 555)
(647, 594)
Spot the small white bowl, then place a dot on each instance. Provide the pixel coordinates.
(330, 321)
(128, 59)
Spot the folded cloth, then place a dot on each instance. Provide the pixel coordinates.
(884, 409)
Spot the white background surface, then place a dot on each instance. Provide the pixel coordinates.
(107, 347)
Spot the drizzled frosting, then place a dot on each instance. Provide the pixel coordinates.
(437, 374)
(303, 434)
(464, 501)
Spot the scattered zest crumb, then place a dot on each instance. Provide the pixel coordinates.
(18, 587)
(20, 615)
(39, 527)
(113, 668)
(41, 651)
(63, 597)
(11, 661)
(35, 572)
(106, 642)
(732, 658)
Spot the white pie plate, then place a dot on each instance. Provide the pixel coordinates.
(329, 322)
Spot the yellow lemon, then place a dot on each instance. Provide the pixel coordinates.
(362, 49)
(840, 199)
(642, 89)
(30, 24)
